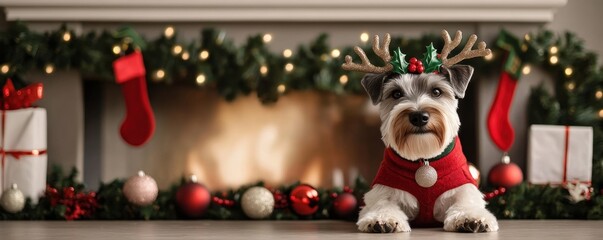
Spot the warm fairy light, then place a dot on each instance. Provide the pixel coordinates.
(527, 37)
(159, 74)
(169, 32)
(200, 79)
(553, 50)
(185, 56)
(49, 69)
(5, 68)
(289, 67)
(267, 37)
(281, 88)
(324, 57)
(570, 86)
(203, 55)
(335, 53)
(177, 49)
(489, 57)
(287, 53)
(599, 94)
(601, 113)
(66, 36)
(526, 69)
(343, 79)
(553, 59)
(264, 70)
(364, 37)
(524, 47)
(568, 71)
(116, 49)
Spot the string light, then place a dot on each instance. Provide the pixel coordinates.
(526, 69)
(335, 53)
(289, 67)
(185, 56)
(599, 94)
(570, 86)
(553, 50)
(267, 37)
(200, 79)
(177, 49)
(287, 53)
(527, 37)
(364, 37)
(553, 59)
(489, 57)
(264, 70)
(281, 88)
(568, 71)
(116, 49)
(601, 113)
(159, 74)
(4, 68)
(66, 36)
(324, 57)
(524, 47)
(203, 55)
(343, 79)
(49, 69)
(169, 32)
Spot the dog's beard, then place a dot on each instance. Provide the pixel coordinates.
(414, 143)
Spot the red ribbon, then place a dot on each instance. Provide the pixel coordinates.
(17, 99)
(565, 157)
(22, 98)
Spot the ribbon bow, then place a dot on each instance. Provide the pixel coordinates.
(22, 98)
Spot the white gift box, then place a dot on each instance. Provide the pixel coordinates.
(560, 154)
(24, 151)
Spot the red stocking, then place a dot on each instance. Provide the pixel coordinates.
(139, 124)
(499, 126)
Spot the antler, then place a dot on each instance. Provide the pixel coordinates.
(466, 53)
(366, 66)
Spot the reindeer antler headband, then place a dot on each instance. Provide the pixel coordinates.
(431, 62)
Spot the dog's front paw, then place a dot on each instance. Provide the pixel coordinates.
(383, 223)
(471, 221)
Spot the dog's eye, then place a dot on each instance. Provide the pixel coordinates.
(436, 92)
(397, 94)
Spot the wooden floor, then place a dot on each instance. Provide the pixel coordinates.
(282, 230)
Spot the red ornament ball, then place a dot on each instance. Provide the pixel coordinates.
(193, 199)
(345, 204)
(304, 200)
(505, 175)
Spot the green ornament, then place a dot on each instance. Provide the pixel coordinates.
(430, 59)
(399, 62)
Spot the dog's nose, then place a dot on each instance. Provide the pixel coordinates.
(419, 118)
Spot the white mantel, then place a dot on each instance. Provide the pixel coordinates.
(283, 10)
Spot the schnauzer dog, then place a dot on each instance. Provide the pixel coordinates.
(424, 178)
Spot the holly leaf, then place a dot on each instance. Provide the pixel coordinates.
(430, 59)
(399, 62)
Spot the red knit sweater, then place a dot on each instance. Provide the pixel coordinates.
(399, 173)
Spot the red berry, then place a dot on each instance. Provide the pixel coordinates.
(439, 56)
(412, 68)
(420, 69)
(413, 60)
(419, 63)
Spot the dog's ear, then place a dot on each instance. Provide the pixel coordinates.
(459, 77)
(373, 84)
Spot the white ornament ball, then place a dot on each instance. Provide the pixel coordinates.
(426, 176)
(12, 200)
(257, 203)
(141, 189)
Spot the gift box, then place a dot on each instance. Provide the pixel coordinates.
(23, 146)
(560, 154)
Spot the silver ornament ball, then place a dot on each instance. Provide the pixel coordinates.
(426, 176)
(12, 200)
(257, 203)
(141, 189)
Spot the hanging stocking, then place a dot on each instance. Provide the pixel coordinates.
(139, 124)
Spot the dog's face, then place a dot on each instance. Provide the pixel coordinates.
(418, 112)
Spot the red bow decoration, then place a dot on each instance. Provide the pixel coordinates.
(77, 204)
(22, 98)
